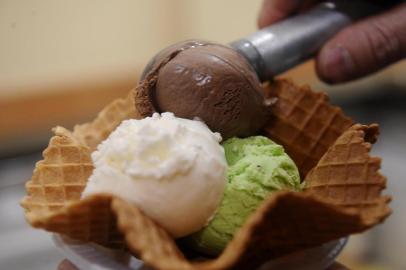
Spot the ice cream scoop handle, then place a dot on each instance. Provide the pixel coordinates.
(288, 43)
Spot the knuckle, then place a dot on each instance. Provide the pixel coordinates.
(384, 41)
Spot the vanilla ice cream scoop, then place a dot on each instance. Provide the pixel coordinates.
(173, 169)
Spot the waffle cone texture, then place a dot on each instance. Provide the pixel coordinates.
(342, 195)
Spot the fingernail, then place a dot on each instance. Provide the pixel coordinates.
(337, 64)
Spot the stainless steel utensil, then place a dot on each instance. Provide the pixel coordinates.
(283, 45)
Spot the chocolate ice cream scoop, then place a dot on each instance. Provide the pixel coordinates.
(221, 85)
(205, 80)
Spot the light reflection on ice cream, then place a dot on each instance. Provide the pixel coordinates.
(173, 169)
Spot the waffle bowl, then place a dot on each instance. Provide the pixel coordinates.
(342, 192)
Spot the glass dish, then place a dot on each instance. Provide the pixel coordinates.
(94, 257)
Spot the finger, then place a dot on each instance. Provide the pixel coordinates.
(274, 10)
(364, 47)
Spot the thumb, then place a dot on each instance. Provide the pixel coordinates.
(364, 47)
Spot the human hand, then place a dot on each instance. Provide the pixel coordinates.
(359, 49)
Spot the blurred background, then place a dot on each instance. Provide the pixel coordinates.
(62, 61)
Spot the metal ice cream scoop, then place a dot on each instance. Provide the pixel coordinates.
(283, 45)
(222, 84)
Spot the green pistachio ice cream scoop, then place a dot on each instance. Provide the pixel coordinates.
(256, 167)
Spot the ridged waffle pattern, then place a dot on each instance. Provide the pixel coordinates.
(342, 195)
(89, 219)
(93, 133)
(289, 221)
(61, 176)
(346, 200)
(149, 241)
(285, 223)
(304, 122)
(349, 177)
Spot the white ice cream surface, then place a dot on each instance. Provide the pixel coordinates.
(171, 168)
